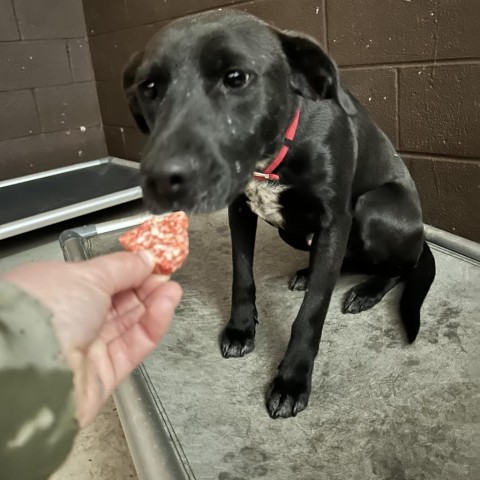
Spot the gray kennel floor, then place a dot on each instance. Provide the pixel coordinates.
(379, 409)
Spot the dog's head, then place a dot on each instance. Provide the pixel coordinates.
(216, 93)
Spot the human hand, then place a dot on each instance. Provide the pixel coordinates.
(108, 313)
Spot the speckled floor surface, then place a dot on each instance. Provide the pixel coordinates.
(379, 409)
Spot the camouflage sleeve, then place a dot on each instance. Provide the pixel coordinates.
(37, 423)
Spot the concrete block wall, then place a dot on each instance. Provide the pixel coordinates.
(49, 111)
(415, 65)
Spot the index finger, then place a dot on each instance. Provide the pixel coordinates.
(120, 271)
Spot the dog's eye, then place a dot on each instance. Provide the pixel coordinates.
(236, 79)
(149, 90)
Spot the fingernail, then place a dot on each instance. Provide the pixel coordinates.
(147, 257)
(163, 278)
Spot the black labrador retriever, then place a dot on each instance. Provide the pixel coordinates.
(217, 93)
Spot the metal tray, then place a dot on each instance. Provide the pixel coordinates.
(42, 199)
(379, 409)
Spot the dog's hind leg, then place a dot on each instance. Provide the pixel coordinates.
(367, 294)
(388, 227)
(299, 280)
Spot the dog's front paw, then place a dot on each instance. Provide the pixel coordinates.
(299, 280)
(288, 397)
(236, 343)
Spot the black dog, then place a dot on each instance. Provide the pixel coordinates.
(217, 92)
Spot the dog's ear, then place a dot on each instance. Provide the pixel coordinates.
(314, 74)
(129, 87)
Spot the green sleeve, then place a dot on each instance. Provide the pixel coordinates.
(37, 408)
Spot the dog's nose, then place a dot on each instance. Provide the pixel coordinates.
(170, 179)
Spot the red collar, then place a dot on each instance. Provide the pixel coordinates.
(289, 136)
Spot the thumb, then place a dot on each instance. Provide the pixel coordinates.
(120, 271)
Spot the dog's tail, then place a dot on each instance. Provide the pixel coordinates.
(417, 284)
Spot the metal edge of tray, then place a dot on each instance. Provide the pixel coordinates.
(155, 450)
(453, 243)
(69, 168)
(72, 243)
(71, 211)
(449, 242)
(66, 213)
(54, 171)
(153, 446)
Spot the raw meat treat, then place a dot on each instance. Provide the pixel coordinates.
(165, 236)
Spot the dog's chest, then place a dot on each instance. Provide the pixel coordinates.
(263, 199)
